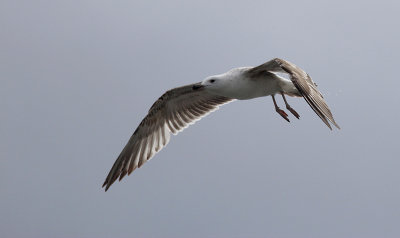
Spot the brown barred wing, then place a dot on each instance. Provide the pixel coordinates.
(171, 113)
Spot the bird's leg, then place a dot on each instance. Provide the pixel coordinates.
(290, 108)
(280, 111)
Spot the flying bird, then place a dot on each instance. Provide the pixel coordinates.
(180, 107)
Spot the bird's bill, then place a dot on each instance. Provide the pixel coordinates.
(197, 86)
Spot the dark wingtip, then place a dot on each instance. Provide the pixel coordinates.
(106, 184)
(107, 187)
(122, 175)
(103, 187)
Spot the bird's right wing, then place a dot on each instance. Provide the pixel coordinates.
(171, 113)
(304, 84)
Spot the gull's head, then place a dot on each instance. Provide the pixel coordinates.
(212, 83)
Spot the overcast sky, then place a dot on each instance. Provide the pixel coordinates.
(77, 77)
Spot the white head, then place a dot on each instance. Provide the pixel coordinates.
(212, 83)
(220, 83)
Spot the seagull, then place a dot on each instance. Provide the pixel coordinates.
(180, 107)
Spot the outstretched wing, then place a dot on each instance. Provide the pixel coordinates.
(171, 113)
(304, 84)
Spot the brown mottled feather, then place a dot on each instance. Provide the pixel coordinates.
(172, 112)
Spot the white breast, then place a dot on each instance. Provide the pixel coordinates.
(244, 88)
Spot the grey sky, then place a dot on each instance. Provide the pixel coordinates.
(77, 77)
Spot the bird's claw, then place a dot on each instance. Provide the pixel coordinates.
(293, 112)
(283, 114)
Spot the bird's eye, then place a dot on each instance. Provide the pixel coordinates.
(212, 80)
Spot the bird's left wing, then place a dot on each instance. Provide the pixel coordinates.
(171, 113)
(304, 84)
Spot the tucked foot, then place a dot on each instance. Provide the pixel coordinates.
(283, 114)
(293, 112)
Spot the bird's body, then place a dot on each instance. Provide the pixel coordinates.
(239, 85)
(179, 107)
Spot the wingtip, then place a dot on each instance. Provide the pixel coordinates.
(326, 122)
(122, 175)
(107, 187)
(105, 184)
(334, 123)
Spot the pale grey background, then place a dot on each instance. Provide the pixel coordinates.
(77, 77)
